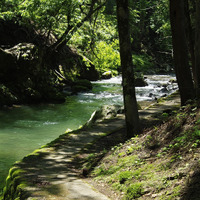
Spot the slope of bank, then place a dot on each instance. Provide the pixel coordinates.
(53, 172)
(161, 163)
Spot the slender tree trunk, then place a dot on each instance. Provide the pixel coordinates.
(197, 48)
(190, 40)
(181, 61)
(130, 103)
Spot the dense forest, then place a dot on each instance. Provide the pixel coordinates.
(47, 46)
(50, 49)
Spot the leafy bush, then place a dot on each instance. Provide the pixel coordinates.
(134, 191)
(107, 57)
(124, 176)
(142, 63)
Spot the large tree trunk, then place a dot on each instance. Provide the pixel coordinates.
(197, 48)
(130, 103)
(183, 73)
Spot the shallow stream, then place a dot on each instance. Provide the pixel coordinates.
(26, 128)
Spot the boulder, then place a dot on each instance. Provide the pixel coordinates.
(88, 70)
(140, 82)
(6, 97)
(33, 70)
(106, 75)
(81, 86)
(74, 65)
(25, 75)
(105, 112)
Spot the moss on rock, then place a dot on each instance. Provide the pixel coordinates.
(15, 184)
(81, 86)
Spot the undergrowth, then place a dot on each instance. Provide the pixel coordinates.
(159, 163)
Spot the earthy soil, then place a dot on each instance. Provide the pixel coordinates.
(180, 164)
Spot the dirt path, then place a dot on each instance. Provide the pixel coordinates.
(50, 173)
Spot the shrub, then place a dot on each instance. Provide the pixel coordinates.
(107, 57)
(142, 63)
(124, 176)
(134, 191)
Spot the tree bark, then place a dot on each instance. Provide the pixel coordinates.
(190, 36)
(197, 48)
(130, 103)
(181, 60)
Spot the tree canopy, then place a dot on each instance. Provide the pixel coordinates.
(90, 27)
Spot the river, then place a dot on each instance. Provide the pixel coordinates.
(26, 128)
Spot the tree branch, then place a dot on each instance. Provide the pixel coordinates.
(72, 29)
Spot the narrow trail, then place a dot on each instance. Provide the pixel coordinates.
(49, 173)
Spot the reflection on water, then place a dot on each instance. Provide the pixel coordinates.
(25, 128)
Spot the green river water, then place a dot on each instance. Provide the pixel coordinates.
(26, 128)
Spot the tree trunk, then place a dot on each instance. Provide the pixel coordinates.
(197, 48)
(130, 103)
(190, 34)
(183, 73)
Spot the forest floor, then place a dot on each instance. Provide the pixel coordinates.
(162, 163)
(98, 163)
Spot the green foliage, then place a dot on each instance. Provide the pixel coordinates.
(122, 154)
(130, 161)
(55, 16)
(130, 149)
(150, 29)
(142, 63)
(124, 176)
(176, 193)
(134, 191)
(164, 176)
(165, 115)
(110, 7)
(103, 171)
(102, 28)
(97, 37)
(91, 157)
(107, 57)
(188, 138)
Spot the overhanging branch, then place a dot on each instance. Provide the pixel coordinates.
(72, 29)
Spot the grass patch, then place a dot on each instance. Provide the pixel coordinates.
(124, 176)
(134, 191)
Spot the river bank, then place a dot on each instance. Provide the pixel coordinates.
(27, 127)
(161, 163)
(50, 172)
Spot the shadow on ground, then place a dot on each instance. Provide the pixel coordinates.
(192, 191)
